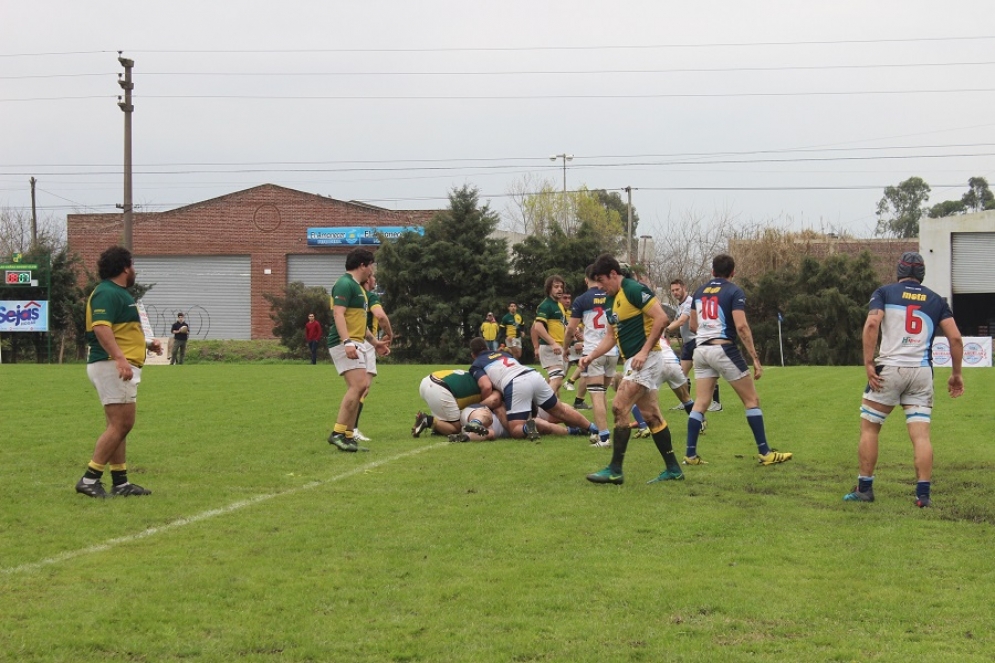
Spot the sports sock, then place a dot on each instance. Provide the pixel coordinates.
(665, 445)
(578, 401)
(94, 472)
(638, 416)
(694, 430)
(119, 474)
(620, 444)
(359, 413)
(864, 484)
(715, 393)
(922, 489)
(688, 406)
(340, 429)
(755, 418)
(604, 435)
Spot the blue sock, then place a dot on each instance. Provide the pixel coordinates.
(694, 428)
(592, 428)
(688, 406)
(638, 416)
(922, 489)
(755, 418)
(604, 435)
(866, 483)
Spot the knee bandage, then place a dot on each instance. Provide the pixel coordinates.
(872, 415)
(597, 388)
(918, 414)
(555, 374)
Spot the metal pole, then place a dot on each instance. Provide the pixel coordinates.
(34, 217)
(128, 109)
(566, 157)
(628, 227)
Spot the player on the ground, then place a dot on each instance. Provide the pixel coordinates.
(446, 393)
(907, 315)
(638, 320)
(718, 320)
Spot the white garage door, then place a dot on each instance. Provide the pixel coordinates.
(315, 269)
(213, 292)
(972, 270)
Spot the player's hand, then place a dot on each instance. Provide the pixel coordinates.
(639, 360)
(156, 347)
(955, 386)
(557, 350)
(584, 362)
(874, 380)
(758, 370)
(351, 351)
(124, 369)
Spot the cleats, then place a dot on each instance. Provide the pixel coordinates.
(774, 457)
(642, 432)
(715, 406)
(704, 425)
(422, 422)
(531, 431)
(598, 443)
(359, 437)
(858, 496)
(607, 475)
(694, 460)
(474, 427)
(923, 501)
(668, 475)
(459, 437)
(129, 490)
(95, 489)
(569, 386)
(582, 406)
(339, 441)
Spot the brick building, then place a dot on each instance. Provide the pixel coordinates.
(214, 260)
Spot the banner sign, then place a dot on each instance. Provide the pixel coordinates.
(21, 316)
(977, 351)
(356, 235)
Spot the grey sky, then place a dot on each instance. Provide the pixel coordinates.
(395, 103)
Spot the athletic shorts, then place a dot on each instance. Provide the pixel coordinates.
(725, 361)
(524, 390)
(370, 353)
(344, 364)
(650, 375)
(673, 375)
(549, 360)
(513, 342)
(111, 389)
(441, 402)
(903, 385)
(687, 352)
(603, 366)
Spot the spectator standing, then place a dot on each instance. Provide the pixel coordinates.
(180, 331)
(312, 334)
(489, 332)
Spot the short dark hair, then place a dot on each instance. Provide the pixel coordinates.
(604, 265)
(588, 272)
(477, 346)
(723, 265)
(358, 258)
(551, 280)
(113, 261)
(679, 282)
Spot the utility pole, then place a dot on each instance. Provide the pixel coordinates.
(628, 226)
(566, 157)
(128, 109)
(34, 216)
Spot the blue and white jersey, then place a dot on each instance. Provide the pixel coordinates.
(912, 312)
(685, 309)
(500, 368)
(592, 308)
(714, 302)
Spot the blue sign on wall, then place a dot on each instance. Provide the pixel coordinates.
(356, 235)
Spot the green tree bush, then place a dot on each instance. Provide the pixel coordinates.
(289, 313)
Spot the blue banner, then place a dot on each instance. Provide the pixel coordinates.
(356, 235)
(21, 316)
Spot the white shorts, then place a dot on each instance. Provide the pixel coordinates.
(513, 342)
(111, 389)
(371, 358)
(650, 375)
(550, 360)
(344, 364)
(523, 391)
(603, 366)
(673, 375)
(725, 361)
(441, 402)
(903, 385)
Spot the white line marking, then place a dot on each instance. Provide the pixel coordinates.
(234, 506)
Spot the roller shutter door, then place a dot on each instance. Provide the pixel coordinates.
(972, 269)
(315, 269)
(214, 292)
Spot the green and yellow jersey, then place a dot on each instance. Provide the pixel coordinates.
(110, 304)
(460, 384)
(511, 324)
(346, 292)
(552, 313)
(632, 325)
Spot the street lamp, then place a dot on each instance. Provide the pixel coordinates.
(566, 157)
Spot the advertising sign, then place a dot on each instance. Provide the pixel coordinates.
(21, 316)
(356, 235)
(977, 352)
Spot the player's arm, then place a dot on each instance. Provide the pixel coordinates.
(676, 324)
(539, 329)
(486, 388)
(746, 336)
(870, 341)
(381, 316)
(570, 332)
(955, 384)
(693, 321)
(338, 318)
(105, 336)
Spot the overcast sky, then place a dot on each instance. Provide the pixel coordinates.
(793, 112)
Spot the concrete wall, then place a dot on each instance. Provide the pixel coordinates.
(935, 245)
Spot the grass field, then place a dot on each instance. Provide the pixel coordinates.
(261, 543)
